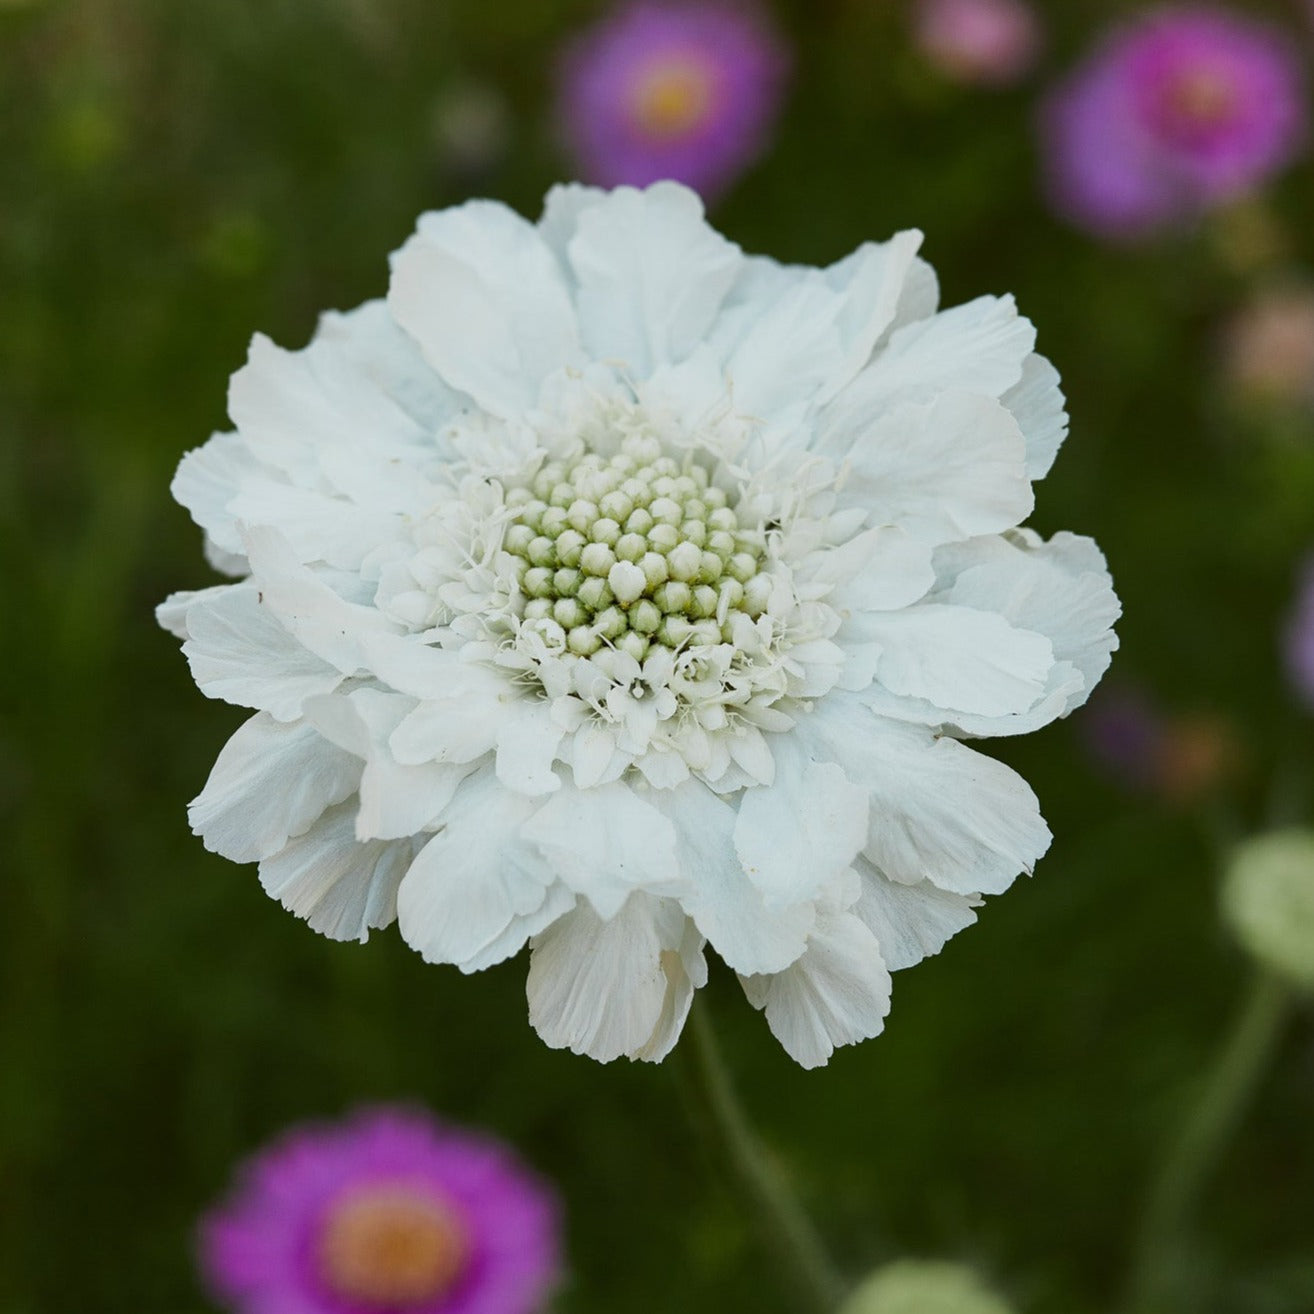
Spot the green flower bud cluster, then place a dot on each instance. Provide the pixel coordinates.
(632, 550)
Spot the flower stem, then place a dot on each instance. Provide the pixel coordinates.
(1160, 1256)
(786, 1229)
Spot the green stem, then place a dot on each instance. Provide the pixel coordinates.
(787, 1230)
(1160, 1251)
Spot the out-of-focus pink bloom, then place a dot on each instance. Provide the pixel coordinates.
(1298, 645)
(992, 42)
(678, 90)
(1268, 348)
(388, 1212)
(1173, 112)
(1147, 750)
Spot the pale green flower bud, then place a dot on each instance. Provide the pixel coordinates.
(627, 581)
(570, 543)
(597, 559)
(923, 1287)
(1268, 901)
(630, 547)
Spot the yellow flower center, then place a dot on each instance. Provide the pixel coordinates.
(672, 98)
(392, 1246)
(1202, 97)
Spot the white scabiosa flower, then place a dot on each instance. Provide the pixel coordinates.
(609, 590)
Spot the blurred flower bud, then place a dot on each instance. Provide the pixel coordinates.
(991, 42)
(923, 1287)
(1148, 750)
(1268, 348)
(472, 128)
(1268, 901)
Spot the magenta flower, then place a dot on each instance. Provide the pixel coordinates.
(1174, 112)
(678, 90)
(992, 42)
(1298, 645)
(388, 1212)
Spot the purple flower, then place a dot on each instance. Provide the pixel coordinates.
(992, 42)
(1298, 647)
(672, 90)
(388, 1212)
(1173, 112)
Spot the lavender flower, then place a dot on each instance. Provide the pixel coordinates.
(991, 42)
(386, 1212)
(1173, 112)
(658, 90)
(1298, 646)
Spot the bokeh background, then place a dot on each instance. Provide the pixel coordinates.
(175, 174)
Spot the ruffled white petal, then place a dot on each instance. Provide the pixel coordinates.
(324, 623)
(949, 470)
(239, 652)
(483, 295)
(605, 843)
(477, 891)
(958, 657)
(269, 783)
(979, 347)
(342, 888)
(397, 799)
(727, 907)
(651, 275)
(615, 987)
(939, 810)
(910, 922)
(1038, 406)
(801, 833)
(838, 992)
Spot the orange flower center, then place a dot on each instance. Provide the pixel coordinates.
(1202, 97)
(672, 98)
(392, 1246)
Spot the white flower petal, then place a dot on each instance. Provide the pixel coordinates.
(727, 907)
(270, 782)
(482, 294)
(685, 969)
(603, 988)
(1038, 405)
(396, 799)
(475, 880)
(879, 570)
(958, 657)
(239, 652)
(308, 608)
(652, 275)
(526, 748)
(978, 347)
(341, 888)
(207, 480)
(939, 811)
(949, 470)
(910, 922)
(796, 836)
(837, 993)
(171, 614)
(605, 843)
(562, 207)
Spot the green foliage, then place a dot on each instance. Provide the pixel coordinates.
(178, 175)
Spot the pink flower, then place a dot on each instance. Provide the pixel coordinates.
(678, 90)
(993, 42)
(388, 1212)
(1172, 113)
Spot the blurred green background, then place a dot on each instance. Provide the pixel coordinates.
(179, 173)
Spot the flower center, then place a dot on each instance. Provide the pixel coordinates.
(632, 551)
(1198, 100)
(392, 1247)
(672, 98)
